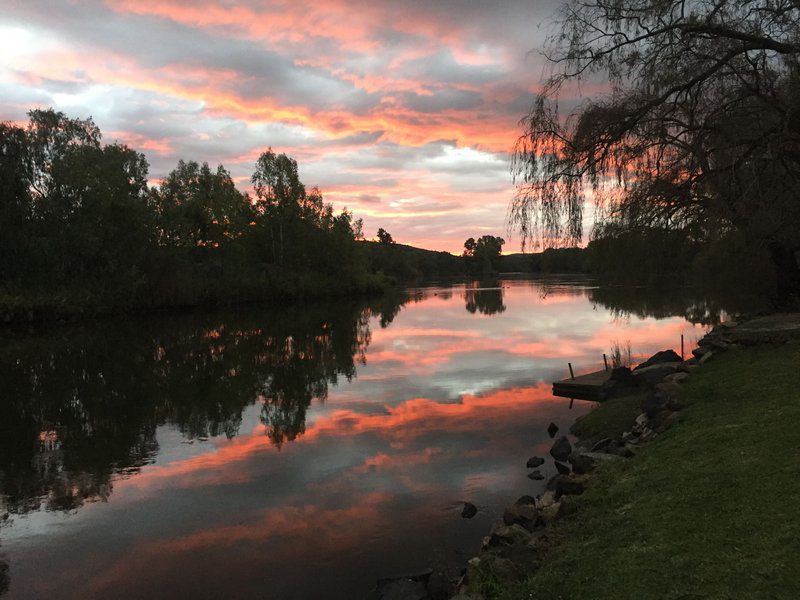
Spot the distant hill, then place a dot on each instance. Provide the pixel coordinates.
(408, 262)
(405, 262)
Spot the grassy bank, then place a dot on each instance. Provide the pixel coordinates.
(707, 510)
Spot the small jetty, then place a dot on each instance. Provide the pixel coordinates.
(591, 386)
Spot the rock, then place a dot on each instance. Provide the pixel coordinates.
(641, 420)
(601, 456)
(562, 468)
(536, 475)
(678, 377)
(654, 374)
(507, 535)
(546, 499)
(652, 404)
(469, 510)
(623, 451)
(552, 430)
(665, 356)
(526, 499)
(581, 463)
(602, 444)
(561, 449)
(525, 515)
(664, 420)
(620, 378)
(566, 508)
(505, 569)
(700, 351)
(534, 461)
(706, 357)
(568, 487)
(668, 389)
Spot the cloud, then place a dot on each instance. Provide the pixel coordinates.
(399, 108)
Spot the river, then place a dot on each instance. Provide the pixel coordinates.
(292, 453)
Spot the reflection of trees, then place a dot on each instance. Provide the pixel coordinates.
(5, 579)
(84, 404)
(483, 299)
(624, 301)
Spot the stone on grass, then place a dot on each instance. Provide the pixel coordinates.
(581, 463)
(469, 510)
(568, 487)
(665, 356)
(600, 444)
(656, 373)
(552, 430)
(536, 475)
(561, 449)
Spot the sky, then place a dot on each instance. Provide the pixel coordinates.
(403, 112)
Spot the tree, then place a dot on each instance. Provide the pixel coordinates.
(697, 133)
(384, 237)
(484, 252)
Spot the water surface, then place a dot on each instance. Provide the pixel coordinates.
(292, 453)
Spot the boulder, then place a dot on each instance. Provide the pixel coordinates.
(507, 535)
(664, 420)
(526, 499)
(678, 377)
(536, 475)
(600, 444)
(561, 449)
(546, 499)
(469, 510)
(700, 351)
(525, 515)
(620, 379)
(654, 374)
(562, 468)
(665, 356)
(653, 403)
(534, 461)
(706, 357)
(568, 487)
(581, 463)
(668, 389)
(552, 430)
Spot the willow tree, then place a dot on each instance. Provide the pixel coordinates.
(697, 129)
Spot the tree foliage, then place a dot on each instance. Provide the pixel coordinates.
(698, 131)
(79, 221)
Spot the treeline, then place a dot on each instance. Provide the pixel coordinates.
(82, 229)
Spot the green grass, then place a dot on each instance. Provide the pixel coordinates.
(711, 509)
(612, 418)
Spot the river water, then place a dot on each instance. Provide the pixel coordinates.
(293, 453)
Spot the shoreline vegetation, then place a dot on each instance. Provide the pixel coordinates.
(704, 508)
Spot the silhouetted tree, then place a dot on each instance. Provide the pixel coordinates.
(483, 253)
(697, 133)
(384, 237)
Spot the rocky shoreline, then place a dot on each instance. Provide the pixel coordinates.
(514, 549)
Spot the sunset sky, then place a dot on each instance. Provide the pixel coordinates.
(405, 112)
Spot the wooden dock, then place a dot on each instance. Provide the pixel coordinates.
(590, 386)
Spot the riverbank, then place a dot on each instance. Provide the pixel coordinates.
(74, 305)
(705, 509)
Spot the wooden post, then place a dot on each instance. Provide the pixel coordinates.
(571, 374)
(605, 361)
(571, 400)
(682, 347)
